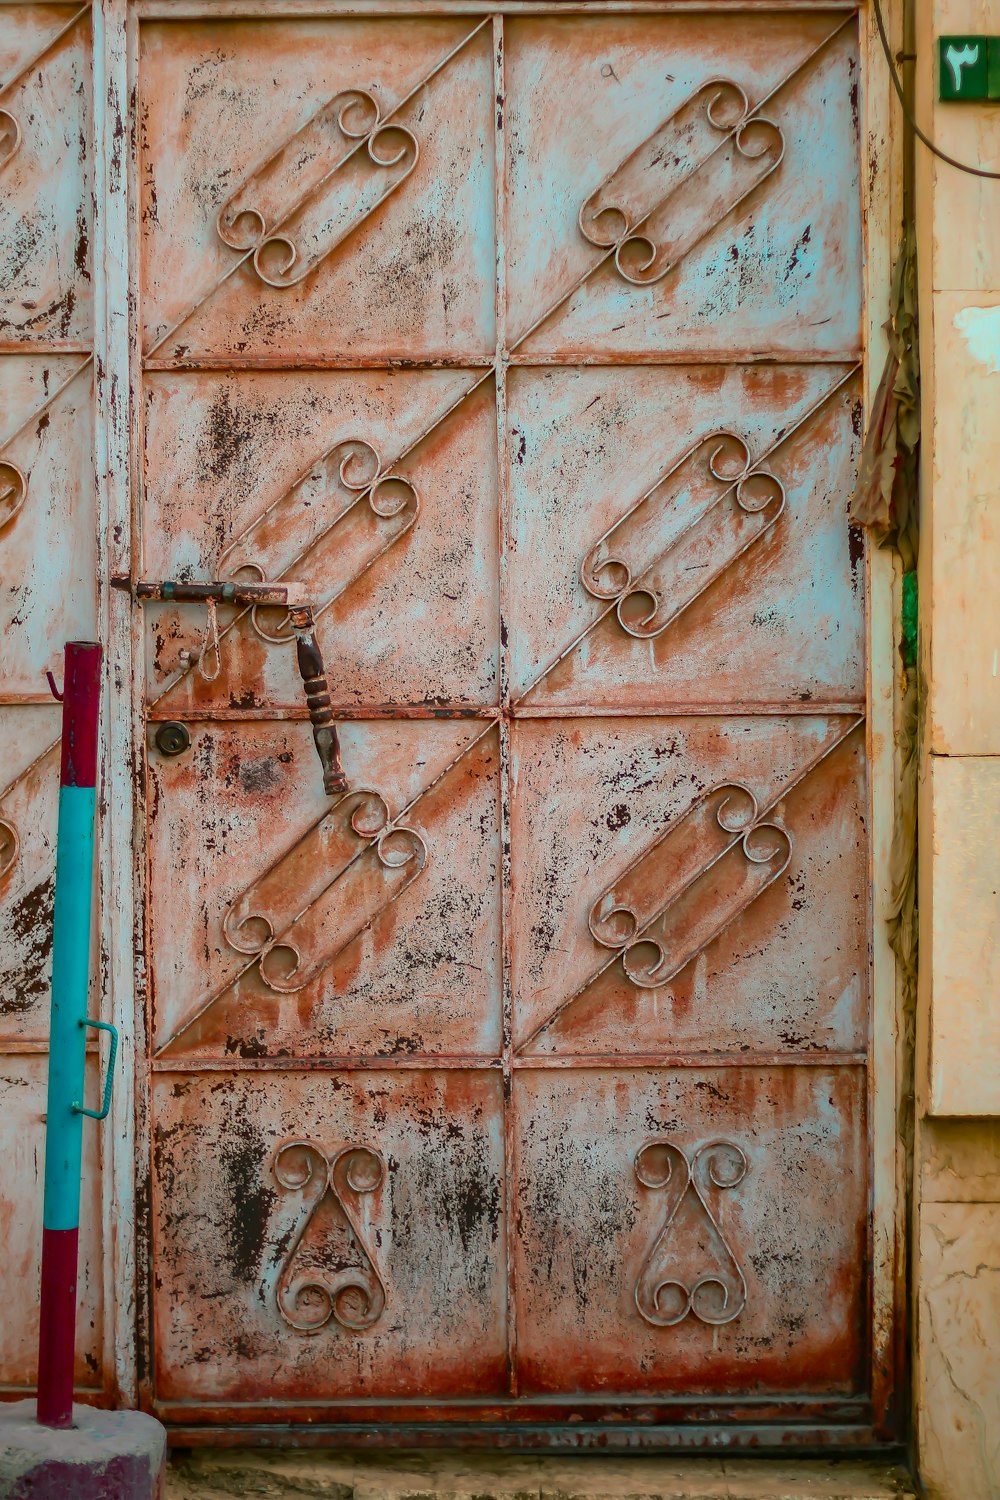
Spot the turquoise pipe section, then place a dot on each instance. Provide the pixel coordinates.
(70, 976)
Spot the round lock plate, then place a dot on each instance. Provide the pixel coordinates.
(173, 738)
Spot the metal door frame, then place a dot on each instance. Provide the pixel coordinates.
(126, 1183)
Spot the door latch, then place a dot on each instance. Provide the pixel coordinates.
(308, 652)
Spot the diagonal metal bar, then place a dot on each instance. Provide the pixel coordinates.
(33, 765)
(764, 810)
(25, 68)
(49, 401)
(305, 197)
(765, 457)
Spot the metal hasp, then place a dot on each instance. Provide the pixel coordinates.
(308, 651)
(67, 1035)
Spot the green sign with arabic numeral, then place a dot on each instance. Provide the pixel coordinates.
(969, 68)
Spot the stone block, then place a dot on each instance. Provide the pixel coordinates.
(960, 954)
(959, 1161)
(958, 1394)
(959, 598)
(208, 1475)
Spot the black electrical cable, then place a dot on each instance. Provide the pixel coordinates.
(963, 166)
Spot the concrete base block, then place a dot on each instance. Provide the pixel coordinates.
(106, 1455)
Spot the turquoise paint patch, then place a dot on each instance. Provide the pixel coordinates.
(70, 977)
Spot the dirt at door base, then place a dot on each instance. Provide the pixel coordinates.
(208, 1473)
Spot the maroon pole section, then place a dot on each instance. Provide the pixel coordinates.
(68, 1033)
(81, 699)
(57, 1328)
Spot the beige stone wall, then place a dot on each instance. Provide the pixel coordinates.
(956, 1245)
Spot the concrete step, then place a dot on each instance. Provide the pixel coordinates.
(214, 1474)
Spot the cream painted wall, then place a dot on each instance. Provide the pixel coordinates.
(957, 1159)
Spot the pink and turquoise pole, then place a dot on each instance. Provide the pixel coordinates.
(68, 1033)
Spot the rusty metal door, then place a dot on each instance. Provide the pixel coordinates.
(525, 1086)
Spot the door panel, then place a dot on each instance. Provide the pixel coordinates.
(755, 249)
(686, 885)
(402, 254)
(45, 206)
(48, 594)
(390, 899)
(528, 1079)
(717, 488)
(22, 1099)
(684, 1209)
(377, 490)
(346, 1234)
(48, 590)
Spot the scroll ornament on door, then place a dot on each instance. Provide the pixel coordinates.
(325, 530)
(303, 200)
(13, 488)
(329, 1272)
(10, 136)
(690, 1268)
(728, 505)
(328, 889)
(696, 169)
(690, 884)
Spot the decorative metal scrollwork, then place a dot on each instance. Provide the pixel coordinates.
(13, 489)
(10, 136)
(649, 584)
(684, 891)
(330, 1271)
(666, 1290)
(294, 209)
(654, 208)
(10, 845)
(326, 530)
(322, 894)
(13, 480)
(25, 788)
(330, 887)
(687, 887)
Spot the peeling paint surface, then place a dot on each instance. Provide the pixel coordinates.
(525, 1081)
(594, 626)
(980, 328)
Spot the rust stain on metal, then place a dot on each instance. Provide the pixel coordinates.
(535, 546)
(514, 1067)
